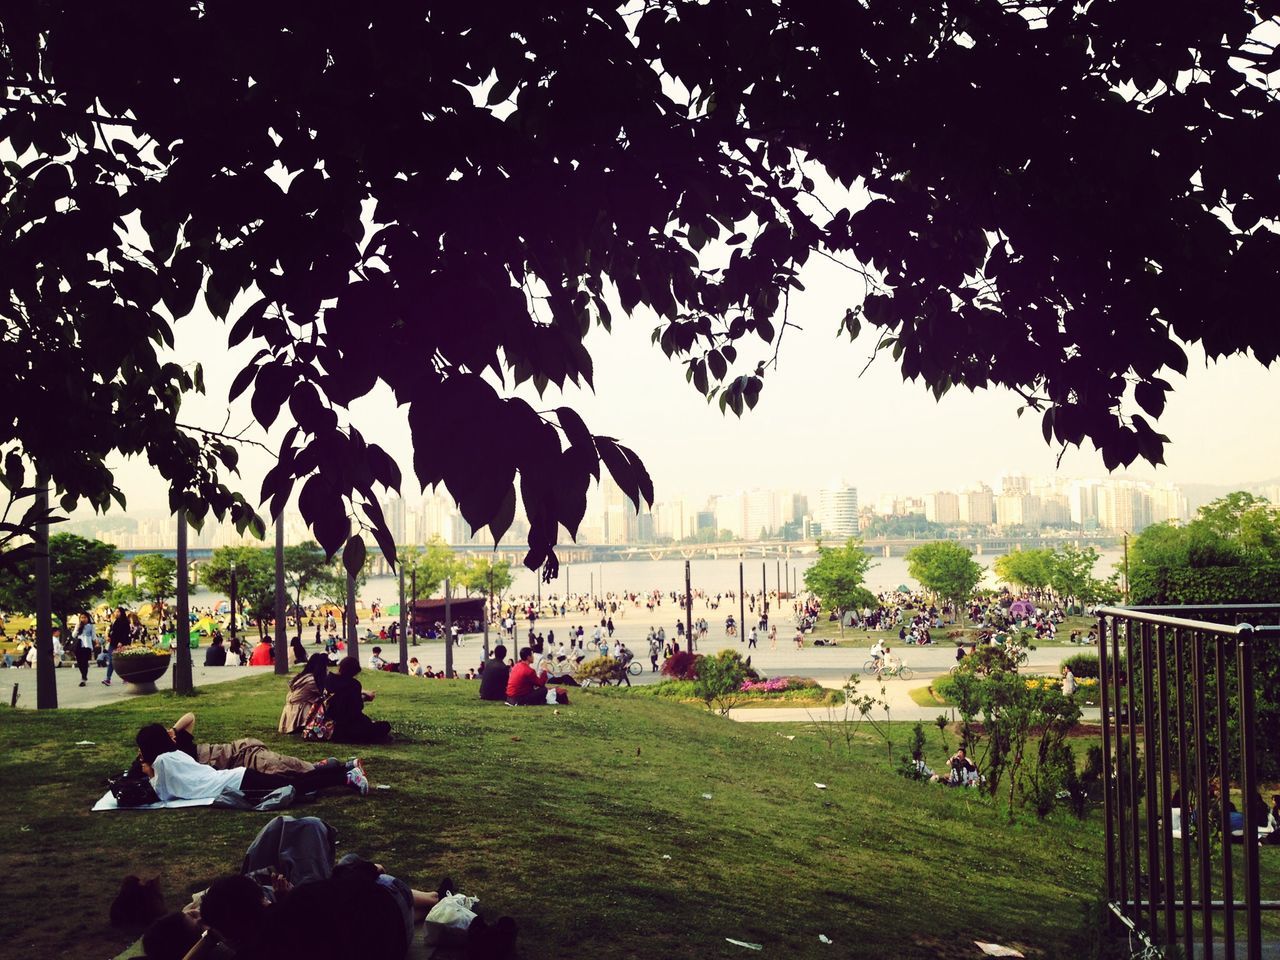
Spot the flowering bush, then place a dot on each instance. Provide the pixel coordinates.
(777, 684)
(681, 666)
(138, 650)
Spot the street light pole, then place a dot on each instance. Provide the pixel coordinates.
(688, 606)
(233, 600)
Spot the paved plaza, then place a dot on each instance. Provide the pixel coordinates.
(830, 666)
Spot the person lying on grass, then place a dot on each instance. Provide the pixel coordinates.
(176, 775)
(246, 752)
(376, 920)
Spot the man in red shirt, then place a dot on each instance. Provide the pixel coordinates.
(525, 688)
(263, 654)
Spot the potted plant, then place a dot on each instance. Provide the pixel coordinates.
(140, 666)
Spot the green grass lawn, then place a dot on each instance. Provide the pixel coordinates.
(567, 821)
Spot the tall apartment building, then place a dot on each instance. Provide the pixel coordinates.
(838, 512)
(1014, 484)
(760, 513)
(978, 506)
(942, 507)
(1018, 510)
(1168, 503)
(1055, 510)
(393, 510)
(1124, 507)
(731, 515)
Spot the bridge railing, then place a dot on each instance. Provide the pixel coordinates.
(1179, 730)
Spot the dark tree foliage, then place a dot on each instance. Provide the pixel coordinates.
(1057, 195)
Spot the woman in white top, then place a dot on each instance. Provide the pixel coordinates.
(177, 776)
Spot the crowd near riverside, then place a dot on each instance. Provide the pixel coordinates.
(539, 647)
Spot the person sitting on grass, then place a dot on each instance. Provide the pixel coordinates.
(264, 654)
(346, 707)
(306, 689)
(176, 775)
(215, 654)
(494, 674)
(964, 772)
(525, 688)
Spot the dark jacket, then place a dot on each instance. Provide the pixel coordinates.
(118, 633)
(493, 680)
(346, 703)
(216, 655)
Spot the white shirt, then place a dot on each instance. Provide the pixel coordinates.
(376, 662)
(179, 777)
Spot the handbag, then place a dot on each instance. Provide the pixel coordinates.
(132, 791)
(317, 725)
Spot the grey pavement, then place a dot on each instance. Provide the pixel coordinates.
(830, 666)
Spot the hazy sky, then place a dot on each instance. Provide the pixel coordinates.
(818, 421)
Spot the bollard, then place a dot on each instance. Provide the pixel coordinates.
(13, 700)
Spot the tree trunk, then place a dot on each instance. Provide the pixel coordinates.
(182, 683)
(282, 625)
(46, 677)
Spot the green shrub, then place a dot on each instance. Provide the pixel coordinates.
(1082, 665)
(720, 679)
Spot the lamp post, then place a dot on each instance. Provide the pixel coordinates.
(232, 628)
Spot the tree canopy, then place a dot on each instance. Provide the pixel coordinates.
(255, 574)
(157, 577)
(1032, 569)
(838, 577)
(946, 569)
(1049, 197)
(79, 571)
(1237, 530)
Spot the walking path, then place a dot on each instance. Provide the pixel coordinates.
(830, 666)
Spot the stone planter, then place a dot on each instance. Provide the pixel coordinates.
(141, 671)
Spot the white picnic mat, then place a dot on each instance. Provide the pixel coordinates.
(108, 802)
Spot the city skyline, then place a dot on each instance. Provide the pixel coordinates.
(1011, 502)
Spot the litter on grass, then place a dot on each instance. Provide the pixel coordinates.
(666, 856)
(743, 943)
(383, 786)
(997, 950)
(706, 796)
(821, 786)
(824, 938)
(85, 743)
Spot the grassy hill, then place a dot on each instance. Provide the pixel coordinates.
(567, 821)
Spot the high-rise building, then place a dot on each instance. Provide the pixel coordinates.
(731, 515)
(393, 511)
(1011, 484)
(942, 507)
(1055, 510)
(1018, 510)
(838, 512)
(978, 506)
(761, 514)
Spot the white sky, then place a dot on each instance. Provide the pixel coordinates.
(818, 421)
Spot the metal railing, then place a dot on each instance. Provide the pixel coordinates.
(1174, 743)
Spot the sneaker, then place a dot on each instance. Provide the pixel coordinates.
(445, 888)
(355, 763)
(82, 683)
(358, 781)
(106, 683)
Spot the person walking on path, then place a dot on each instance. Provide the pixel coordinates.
(117, 636)
(773, 638)
(85, 637)
(751, 640)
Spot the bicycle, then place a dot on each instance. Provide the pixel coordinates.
(901, 671)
